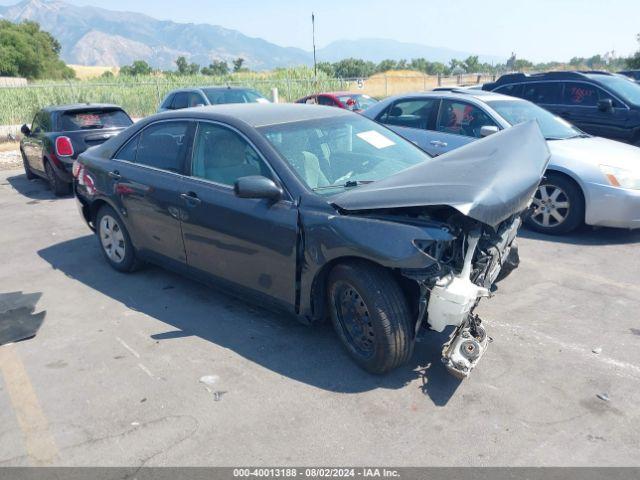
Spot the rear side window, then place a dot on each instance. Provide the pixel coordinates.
(167, 102)
(548, 93)
(162, 145)
(462, 118)
(180, 100)
(232, 95)
(411, 113)
(324, 100)
(93, 119)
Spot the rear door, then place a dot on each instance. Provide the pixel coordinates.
(242, 241)
(545, 94)
(147, 177)
(413, 118)
(580, 107)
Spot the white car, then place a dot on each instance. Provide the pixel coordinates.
(589, 180)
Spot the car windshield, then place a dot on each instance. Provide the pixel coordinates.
(218, 96)
(552, 127)
(357, 102)
(334, 153)
(623, 87)
(93, 119)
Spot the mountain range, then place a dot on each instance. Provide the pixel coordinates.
(97, 36)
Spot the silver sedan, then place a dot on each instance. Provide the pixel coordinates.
(589, 180)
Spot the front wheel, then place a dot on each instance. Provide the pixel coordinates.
(114, 240)
(558, 206)
(370, 315)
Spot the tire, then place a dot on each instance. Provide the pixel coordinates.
(59, 187)
(114, 240)
(370, 315)
(27, 169)
(555, 190)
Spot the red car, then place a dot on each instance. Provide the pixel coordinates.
(356, 102)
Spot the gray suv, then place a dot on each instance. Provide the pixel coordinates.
(201, 96)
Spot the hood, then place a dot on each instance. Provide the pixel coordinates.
(596, 151)
(488, 180)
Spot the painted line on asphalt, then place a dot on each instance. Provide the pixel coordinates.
(131, 350)
(38, 440)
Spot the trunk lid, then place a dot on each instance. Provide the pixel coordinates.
(488, 180)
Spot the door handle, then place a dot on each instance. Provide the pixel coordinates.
(191, 198)
(115, 175)
(438, 143)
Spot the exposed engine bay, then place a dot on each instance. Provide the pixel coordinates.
(464, 270)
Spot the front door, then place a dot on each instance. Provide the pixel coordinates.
(248, 242)
(147, 177)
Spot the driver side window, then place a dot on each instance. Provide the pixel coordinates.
(411, 113)
(461, 118)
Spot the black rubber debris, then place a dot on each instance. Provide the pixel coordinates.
(17, 318)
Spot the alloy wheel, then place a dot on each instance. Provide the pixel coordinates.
(552, 206)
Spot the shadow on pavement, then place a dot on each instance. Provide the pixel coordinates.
(587, 235)
(36, 189)
(276, 341)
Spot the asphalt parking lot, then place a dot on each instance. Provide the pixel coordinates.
(115, 374)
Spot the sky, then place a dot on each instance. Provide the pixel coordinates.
(539, 30)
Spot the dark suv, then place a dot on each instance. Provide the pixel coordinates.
(600, 103)
(58, 134)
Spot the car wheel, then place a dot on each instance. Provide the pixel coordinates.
(558, 206)
(58, 186)
(370, 315)
(114, 240)
(27, 169)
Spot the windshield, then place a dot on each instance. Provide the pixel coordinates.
(623, 87)
(218, 96)
(552, 127)
(357, 102)
(334, 153)
(93, 119)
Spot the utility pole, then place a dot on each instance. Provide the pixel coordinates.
(313, 29)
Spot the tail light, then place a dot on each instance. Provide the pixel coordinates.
(64, 147)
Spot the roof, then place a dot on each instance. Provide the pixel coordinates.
(209, 87)
(568, 75)
(80, 106)
(460, 93)
(260, 114)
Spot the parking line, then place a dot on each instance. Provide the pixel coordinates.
(38, 441)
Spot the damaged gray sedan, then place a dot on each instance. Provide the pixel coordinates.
(323, 213)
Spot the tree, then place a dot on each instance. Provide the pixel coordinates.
(471, 64)
(327, 68)
(185, 68)
(138, 67)
(27, 51)
(237, 64)
(217, 67)
(354, 68)
(386, 65)
(634, 61)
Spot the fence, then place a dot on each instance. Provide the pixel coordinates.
(141, 96)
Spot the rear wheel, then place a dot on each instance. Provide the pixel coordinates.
(114, 240)
(370, 315)
(558, 206)
(58, 186)
(27, 169)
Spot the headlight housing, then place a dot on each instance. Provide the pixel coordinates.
(621, 177)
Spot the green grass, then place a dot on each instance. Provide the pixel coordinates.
(140, 96)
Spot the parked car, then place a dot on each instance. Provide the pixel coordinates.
(58, 134)
(322, 212)
(599, 103)
(202, 96)
(356, 102)
(632, 74)
(590, 180)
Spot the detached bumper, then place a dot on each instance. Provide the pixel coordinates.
(609, 206)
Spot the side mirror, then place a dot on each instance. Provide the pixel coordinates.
(25, 130)
(605, 105)
(257, 186)
(487, 130)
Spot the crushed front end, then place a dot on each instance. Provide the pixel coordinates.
(465, 271)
